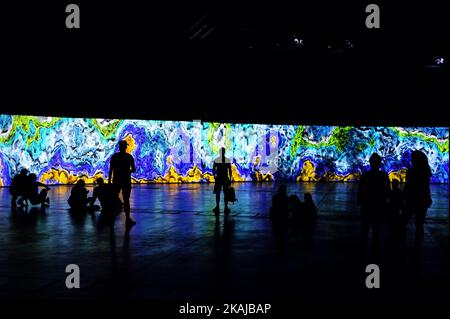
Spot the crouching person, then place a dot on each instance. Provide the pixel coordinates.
(107, 196)
(32, 191)
(18, 188)
(78, 200)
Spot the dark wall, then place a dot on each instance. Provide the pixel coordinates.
(134, 60)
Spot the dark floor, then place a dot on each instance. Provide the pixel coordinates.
(179, 250)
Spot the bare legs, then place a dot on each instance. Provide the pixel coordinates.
(217, 209)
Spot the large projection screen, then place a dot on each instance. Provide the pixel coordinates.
(63, 150)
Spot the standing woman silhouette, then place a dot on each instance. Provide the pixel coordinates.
(417, 193)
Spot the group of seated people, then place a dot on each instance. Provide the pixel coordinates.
(107, 196)
(287, 209)
(25, 188)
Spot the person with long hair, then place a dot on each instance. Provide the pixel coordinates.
(417, 193)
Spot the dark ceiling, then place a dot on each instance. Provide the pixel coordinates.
(228, 62)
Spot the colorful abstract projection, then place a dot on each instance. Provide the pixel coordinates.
(63, 150)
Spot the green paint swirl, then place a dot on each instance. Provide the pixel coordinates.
(339, 138)
(107, 131)
(24, 123)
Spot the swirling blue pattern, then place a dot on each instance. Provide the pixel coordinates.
(62, 150)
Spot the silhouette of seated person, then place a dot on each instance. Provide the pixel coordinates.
(279, 212)
(18, 188)
(32, 191)
(373, 191)
(296, 208)
(107, 196)
(222, 180)
(78, 199)
(309, 208)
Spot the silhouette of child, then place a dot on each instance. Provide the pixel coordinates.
(309, 207)
(395, 201)
(296, 208)
(78, 199)
(395, 198)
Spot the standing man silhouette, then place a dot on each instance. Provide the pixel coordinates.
(373, 192)
(120, 169)
(222, 178)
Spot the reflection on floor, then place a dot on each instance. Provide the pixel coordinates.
(179, 250)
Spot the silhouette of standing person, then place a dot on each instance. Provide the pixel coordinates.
(373, 191)
(222, 177)
(120, 169)
(417, 193)
(279, 212)
(394, 208)
(395, 201)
